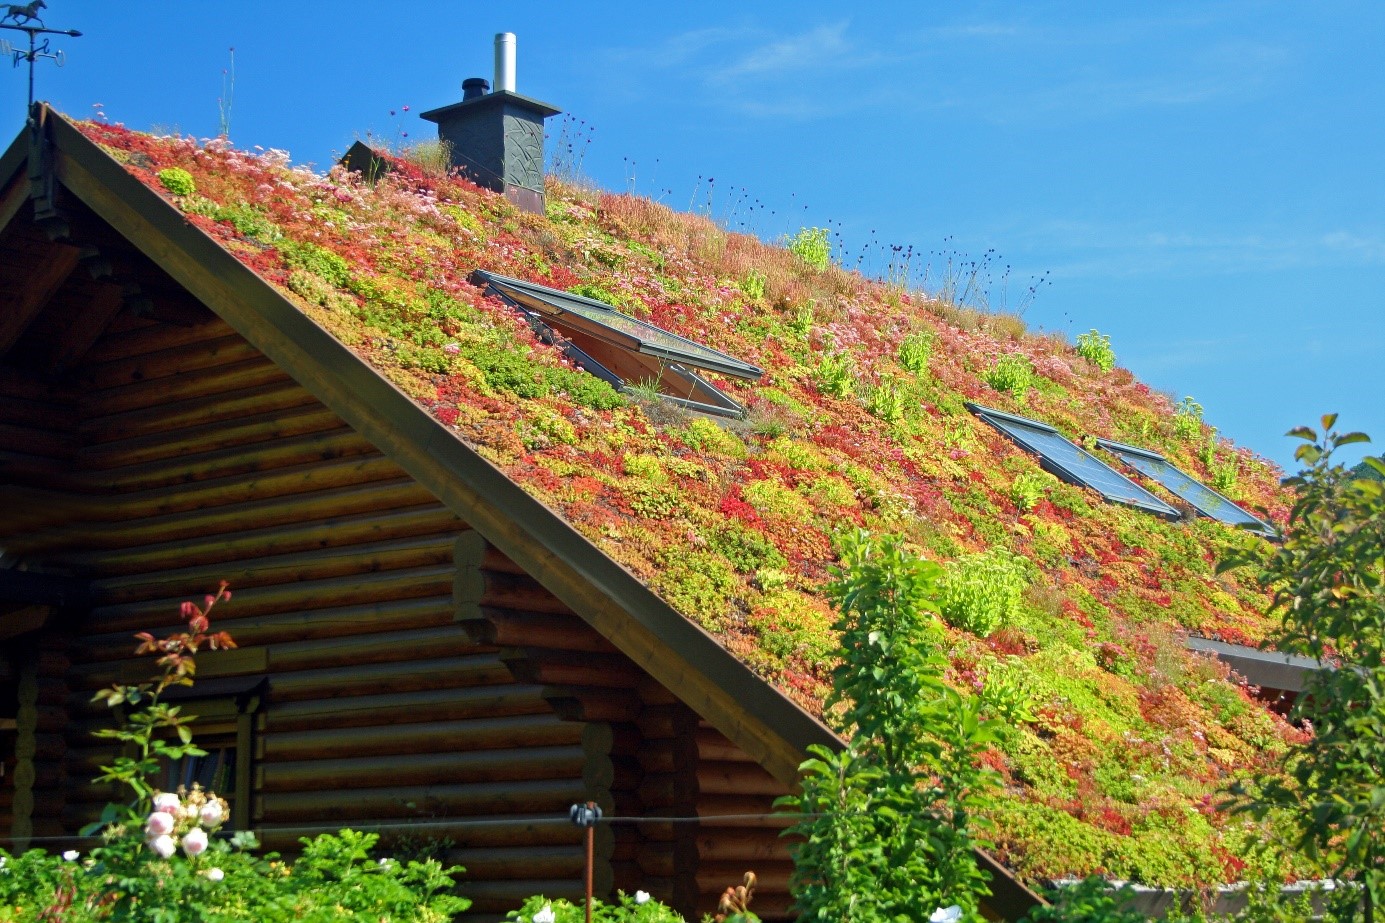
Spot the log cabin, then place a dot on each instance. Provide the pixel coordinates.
(424, 647)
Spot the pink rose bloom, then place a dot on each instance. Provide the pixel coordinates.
(166, 801)
(211, 813)
(163, 845)
(159, 823)
(195, 842)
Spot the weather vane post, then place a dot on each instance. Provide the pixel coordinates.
(24, 18)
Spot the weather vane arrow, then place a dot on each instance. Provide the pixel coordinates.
(25, 18)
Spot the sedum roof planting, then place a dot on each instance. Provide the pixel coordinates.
(859, 420)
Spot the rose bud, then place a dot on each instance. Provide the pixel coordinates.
(195, 842)
(163, 845)
(159, 823)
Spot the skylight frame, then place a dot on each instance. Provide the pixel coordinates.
(549, 330)
(1136, 457)
(604, 321)
(1013, 428)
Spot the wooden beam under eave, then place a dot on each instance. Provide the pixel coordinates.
(23, 620)
(12, 200)
(86, 328)
(35, 289)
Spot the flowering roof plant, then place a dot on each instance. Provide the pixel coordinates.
(1122, 737)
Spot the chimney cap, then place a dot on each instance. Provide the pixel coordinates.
(496, 98)
(472, 87)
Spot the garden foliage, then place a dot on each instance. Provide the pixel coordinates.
(1095, 347)
(890, 819)
(162, 857)
(1328, 580)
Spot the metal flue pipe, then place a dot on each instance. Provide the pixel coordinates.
(504, 62)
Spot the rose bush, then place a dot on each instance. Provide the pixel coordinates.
(136, 873)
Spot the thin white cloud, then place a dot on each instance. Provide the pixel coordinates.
(1104, 250)
(811, 50)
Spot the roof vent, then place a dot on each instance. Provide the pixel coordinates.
(496, 139)
(473, 87)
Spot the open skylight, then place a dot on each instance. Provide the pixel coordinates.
(621, 349)
(1201, 497)
(1070, 462)
(622, 330)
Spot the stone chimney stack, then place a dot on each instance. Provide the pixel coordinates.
(496, 138)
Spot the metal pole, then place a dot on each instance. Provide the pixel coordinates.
(31, 71)
(591, 853)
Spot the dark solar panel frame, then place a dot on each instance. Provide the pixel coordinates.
(725, 406)
(639, 335)
(1080, 467)
(1199, 496)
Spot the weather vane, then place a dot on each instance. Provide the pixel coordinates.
(23, 17)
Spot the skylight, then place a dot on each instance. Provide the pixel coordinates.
(621, 329)
(621, 349)
(1072, 463)
(1201, 497)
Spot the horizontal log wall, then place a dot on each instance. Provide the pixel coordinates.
(38, 437)
(200, 461)
(419, 681)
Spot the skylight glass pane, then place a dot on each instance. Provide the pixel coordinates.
(1071, 462)
(1201, 497)
(648, 339)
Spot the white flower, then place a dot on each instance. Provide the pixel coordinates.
(386, 862)
(642, 897)
(71, 855)
(159, 823)
(212, 813)
(163, 845)
(195, 842)
(166, 802)
(215, 874)
(546, 915)
(946, 915)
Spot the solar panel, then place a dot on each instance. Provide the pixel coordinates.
(1201, 497)
(1071, 462)
(622, 329)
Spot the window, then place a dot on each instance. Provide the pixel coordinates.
(1201, 497)
(1071, 463)
(622, 349)
(227, 713)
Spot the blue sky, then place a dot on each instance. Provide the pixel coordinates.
(1204, 182)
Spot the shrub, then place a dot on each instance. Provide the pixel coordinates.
(1028, 489)
(982, 591)
(177, 181)
(835, 375)
(636, 908)
(1095, 347)
(886, 402)
(889, 835)
(1013, 373)
(1326, 576)
(1187, 418)
(753, 285)
(137, 873)
(811, 245)
(317, 260)
(915, 350)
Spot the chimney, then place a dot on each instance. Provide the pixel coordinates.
(496, 138)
